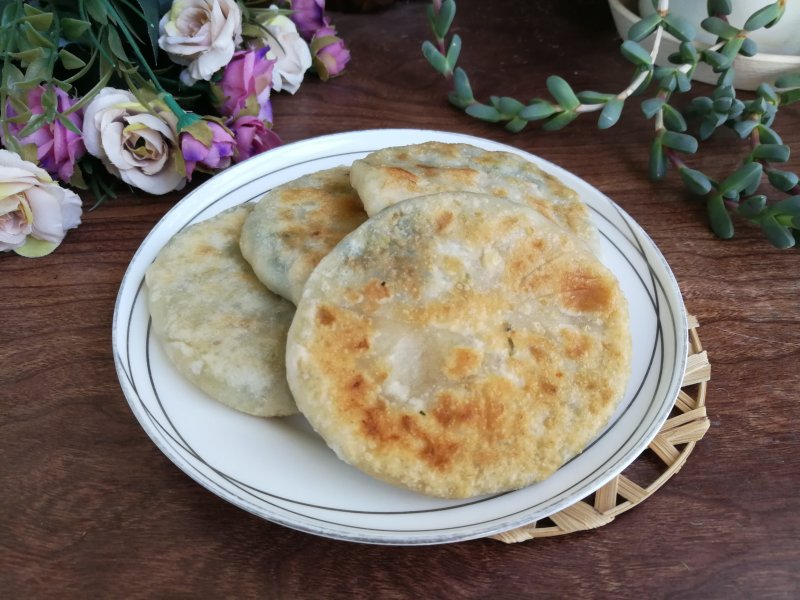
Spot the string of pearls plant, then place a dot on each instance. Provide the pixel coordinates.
(752, 120)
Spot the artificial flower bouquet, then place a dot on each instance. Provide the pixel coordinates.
(147, 91)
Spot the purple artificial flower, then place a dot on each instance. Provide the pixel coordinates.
(57, 148)
(308, 17)
(329, 52)
(245, 85)
(253, 136)
(216, 155)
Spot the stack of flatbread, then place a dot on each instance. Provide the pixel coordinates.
(437, 312)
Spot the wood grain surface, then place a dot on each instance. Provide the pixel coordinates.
(90, 507)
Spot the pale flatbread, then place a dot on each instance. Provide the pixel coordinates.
(387, 176)
(294, 225)
(458, 345)
(218, 325)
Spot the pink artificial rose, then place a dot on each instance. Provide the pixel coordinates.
(57, 148)
(216, 155)
(329, 52)
(245, 85)
(308, 16)
(253, 136)
(35, 212)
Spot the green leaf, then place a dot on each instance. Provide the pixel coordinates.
(461, 84)
(763, 17)
(562, 92)
(560, 120)
(788, 206)
(36, 72)
(636, 54)
(682, 142)
(768, 136)
(41, 21)
(679, 27)
(35, 123)
(538, 109)
(648, 78)
(771, 152)
(767, 92)
(651, 106)
(702, 103)
(610, 113)
(731, 48)
(782, 180)
(115, 43)
(458, 101)
(719, 7)
(790, 97)
(751, 207)
(97, 11)
(721, 222)
(49, 104)
(744, 128)
(35, 38)
(516, 125)
(673, 120)
(436, 58)
(151, 17)
(707, 127)
(718, 62)
(33, 248)
(509, 106)
(697, 182)
(778, 235)
(644, 27)
(484, 112)
(69, 60)
(444, 19)
(742, 178)
(726, 77)
(657, 166)
(73, 29)
(26, 57)
(454, 51)
(749, 47)
(723, 105)
(66, 122)
(683, 82)
(590, 97)
(790, 80)
(688, 52)
(719, 28)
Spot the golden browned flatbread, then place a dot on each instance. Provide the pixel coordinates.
(459, 344)
(294, 225)
(220, 327)
(390, 175)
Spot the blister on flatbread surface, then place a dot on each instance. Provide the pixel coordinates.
(220, 327)
(459, 345)
(295, 224)
(387, 176)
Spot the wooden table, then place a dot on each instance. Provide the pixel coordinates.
(91, 508)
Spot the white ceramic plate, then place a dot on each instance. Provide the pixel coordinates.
(279, 469)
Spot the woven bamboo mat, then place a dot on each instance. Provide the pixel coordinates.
(672, 445)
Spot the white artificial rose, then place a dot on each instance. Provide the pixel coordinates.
(201, 34)
(289, 51)
(135, 145)
(35, 212)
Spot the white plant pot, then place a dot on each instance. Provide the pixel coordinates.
(750, 72)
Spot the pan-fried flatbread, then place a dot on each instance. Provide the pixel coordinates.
(217, 323)
(294, 225)
(390, 175)
(458, 345)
